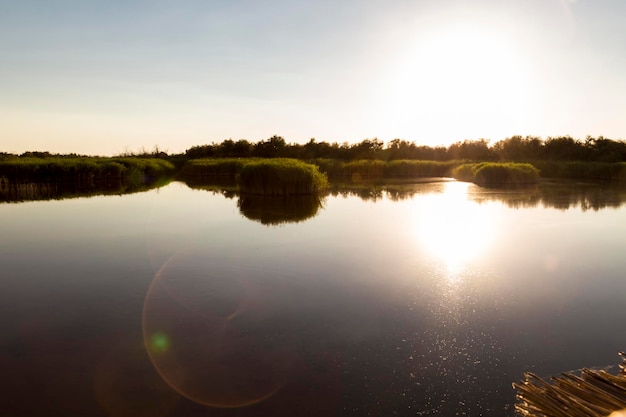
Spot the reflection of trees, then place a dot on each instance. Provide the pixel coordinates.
(268, 210)
(396, 191)
(218, 185)
(561, 196)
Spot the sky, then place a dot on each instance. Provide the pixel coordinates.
(104, 77)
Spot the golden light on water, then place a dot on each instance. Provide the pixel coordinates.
(454, 230)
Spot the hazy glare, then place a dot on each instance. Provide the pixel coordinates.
(105, 77)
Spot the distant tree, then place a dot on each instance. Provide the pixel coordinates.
(474, 150)
(35, 154)
(605, 150)
(242, 148)
(400, 149)
(201, 151)
(274, 147)
(231, 149)
(564, 148)
(366, 149)
(517, 148)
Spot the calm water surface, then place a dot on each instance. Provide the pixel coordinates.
(430, 299)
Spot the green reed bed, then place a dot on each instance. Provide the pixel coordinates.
(494, 174)
(367, 170)
(580, 170)
(83, 169)
(419, 169)
(213, 168)
(281, 176)
(150, 167)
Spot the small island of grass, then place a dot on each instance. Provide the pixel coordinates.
(493, 174)
(281, 177)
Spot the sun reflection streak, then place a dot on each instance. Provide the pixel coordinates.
(452, 229)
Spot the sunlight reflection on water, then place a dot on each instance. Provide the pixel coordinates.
(452, 228)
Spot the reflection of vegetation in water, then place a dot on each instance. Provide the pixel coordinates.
(275, 176)
(269, 210)
(274, 210)
(11, 191)
(395, 191)
(219, 185)
(559, 195)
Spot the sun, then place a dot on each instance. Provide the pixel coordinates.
(462, 80)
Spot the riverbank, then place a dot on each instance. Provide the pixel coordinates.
(88, 170)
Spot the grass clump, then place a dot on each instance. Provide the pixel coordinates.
(281, 177)
(212, 168)
(367, 169)
(418, 169)
(493, 174)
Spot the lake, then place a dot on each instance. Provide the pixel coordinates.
(429, 298)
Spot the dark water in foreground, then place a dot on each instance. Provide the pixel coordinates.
(425, 299)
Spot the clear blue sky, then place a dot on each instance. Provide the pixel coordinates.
(106, 76)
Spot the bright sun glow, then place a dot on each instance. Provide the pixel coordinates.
(461, 82)
(454, 230)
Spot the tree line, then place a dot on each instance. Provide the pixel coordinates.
(514, 149)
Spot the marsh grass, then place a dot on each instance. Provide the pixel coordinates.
(213, 168)
(578, 170)
(494, 174)
(368, 170)
(419, 169)
(281, 176)
(84, 170)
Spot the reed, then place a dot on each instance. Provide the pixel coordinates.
(368, 170)
(281, 177)
(213, 168)
(419, 169)
(84, 170)
(577, 170)
(493, 174)
(593, 393)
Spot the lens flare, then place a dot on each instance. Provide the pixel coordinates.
(207, 332)
(159, 343)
